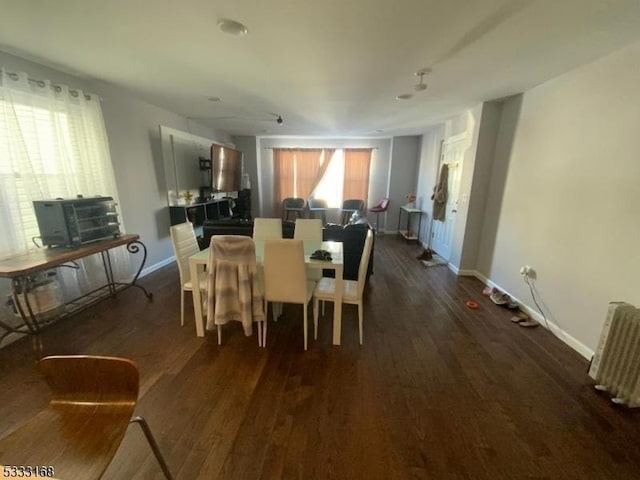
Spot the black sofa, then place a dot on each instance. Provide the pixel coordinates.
(352, 236)
(237, 227)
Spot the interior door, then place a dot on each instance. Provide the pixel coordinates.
(442, 231)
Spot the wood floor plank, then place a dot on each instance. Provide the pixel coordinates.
(437, 391)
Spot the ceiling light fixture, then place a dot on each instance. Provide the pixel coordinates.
(232, 27)
(419, 87)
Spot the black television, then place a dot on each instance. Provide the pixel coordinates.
(226, 169)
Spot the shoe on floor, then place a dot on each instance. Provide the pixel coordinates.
(520, 317)
(500, 298)
(529, 323)
(427, 254)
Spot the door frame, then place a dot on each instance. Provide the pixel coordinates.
(460, 137)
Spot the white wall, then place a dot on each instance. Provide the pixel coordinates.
(134, 140)
(565, 197)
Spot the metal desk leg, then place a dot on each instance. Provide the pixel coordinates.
(337, 306)
(133, 247)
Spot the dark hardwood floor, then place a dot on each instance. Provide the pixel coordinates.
(437, 390)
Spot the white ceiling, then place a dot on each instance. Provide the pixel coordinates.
(329, 67)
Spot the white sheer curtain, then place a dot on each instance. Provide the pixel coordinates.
(53, 143)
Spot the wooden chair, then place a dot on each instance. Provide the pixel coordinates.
(352, 291)
(185, 244)
(285, 278)
(349, 207)
(294, 206)
(93, 399)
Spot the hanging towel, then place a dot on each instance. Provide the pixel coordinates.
(439, 196)
(233, 290)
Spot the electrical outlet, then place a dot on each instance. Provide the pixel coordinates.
(526, 270)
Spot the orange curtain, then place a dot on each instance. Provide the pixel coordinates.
(307, 166)
(357, 163)
(297, 172)
(283, 177)
(314, 168)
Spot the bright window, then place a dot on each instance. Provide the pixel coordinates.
(52, 144)
(330, 187)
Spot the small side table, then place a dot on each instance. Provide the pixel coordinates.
(408, 234)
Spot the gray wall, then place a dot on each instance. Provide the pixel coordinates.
(564, 197)
(403, 179)
(479, 188)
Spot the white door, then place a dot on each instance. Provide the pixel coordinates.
(442, 231)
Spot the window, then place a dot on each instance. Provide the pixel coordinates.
(330, 187)
(52, 144)
(333, 175)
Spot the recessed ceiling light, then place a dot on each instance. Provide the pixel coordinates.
(404, 96)
(232, 27)
(214, 99)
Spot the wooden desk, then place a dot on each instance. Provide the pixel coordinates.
(199, 260)
(20, 267)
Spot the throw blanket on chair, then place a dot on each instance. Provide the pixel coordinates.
(439, 196)
(233, 291)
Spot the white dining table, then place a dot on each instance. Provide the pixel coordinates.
(198, 262)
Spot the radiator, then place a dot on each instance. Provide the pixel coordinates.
(616, 364)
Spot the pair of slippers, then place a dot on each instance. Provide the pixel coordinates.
(524, 320)
(502, 299)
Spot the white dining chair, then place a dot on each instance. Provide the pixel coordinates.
(267, 228)
(352, 291)
(234, 292)
(185, 244)
(285, 278)
(310, 229)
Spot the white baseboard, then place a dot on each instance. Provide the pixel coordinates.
(464, 273)
(157, 266)
(574, 343)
